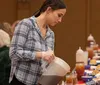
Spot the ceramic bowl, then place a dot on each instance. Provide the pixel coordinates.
(87, 78)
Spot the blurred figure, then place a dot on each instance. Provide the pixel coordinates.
(4, 57)
(14, 25)
(7, 28)
(6, 34)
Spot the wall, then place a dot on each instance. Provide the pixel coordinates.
(81, 19)
(71, 33)
(95, 19)
(8, 11)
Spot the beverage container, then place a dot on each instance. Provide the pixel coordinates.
(85, 58)
(90, 40)
(79, 55)
(80, 67)
(95, 48)
(74, 76)
(82, 56)
(69, 79)
(55, 71)
(90, 52)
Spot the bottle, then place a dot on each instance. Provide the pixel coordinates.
(79, 55)
(90, 41)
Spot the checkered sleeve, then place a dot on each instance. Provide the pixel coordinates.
(17, 49)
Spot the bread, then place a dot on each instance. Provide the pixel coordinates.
(93, 62)
(95, 72)
(98, 67)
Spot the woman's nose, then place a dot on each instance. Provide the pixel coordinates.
(60, 19)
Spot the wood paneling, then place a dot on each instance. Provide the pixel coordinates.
(23, 9)
(95, 19)
(81, 19)
(35, 5)
(8, 11)
(70, 34)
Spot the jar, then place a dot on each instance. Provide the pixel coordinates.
(79, 67)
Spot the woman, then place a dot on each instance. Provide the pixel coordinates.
(5, 26)
(4, 58)
(33, 43)
(14, 25)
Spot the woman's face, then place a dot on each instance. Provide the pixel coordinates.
(55, 17)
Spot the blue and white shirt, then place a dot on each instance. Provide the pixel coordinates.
(27, 40)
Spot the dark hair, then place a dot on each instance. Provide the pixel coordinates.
(54, 4)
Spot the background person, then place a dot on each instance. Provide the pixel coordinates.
(5, 62)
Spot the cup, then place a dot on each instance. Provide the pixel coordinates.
(90, 52)
(74, 77)
(69, 79)
(80, 67)
(95, 47)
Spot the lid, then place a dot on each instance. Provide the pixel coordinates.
(62, 63)
(80, 55)
(90, 37)
(79, 51)
(57, 67)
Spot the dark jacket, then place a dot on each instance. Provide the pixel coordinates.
(4, 65)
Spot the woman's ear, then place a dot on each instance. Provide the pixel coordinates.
(49, 9)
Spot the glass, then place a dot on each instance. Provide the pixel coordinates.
(74, 76)
(95, 47)
(90, 52)
(80, 67)
(69, 79)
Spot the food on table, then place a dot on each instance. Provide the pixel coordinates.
(93, 62)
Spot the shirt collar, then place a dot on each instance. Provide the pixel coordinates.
(48, 33)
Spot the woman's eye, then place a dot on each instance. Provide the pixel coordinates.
(59, 15)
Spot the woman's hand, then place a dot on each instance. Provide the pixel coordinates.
(48, 56)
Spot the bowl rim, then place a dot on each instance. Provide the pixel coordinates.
(87, 77)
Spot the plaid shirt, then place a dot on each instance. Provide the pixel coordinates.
(27, 40)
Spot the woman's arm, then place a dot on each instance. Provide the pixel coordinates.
(17, 49)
